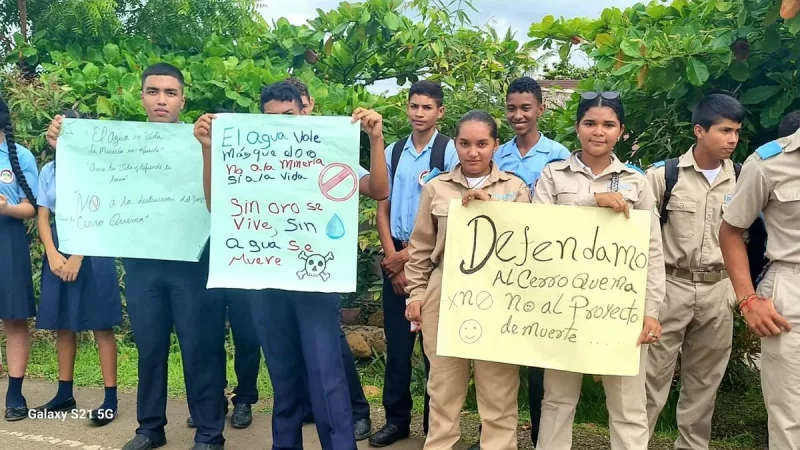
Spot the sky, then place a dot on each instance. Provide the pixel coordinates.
(504, 13)
(501, 14)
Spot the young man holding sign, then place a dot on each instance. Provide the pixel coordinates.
(362, 423)
(411, 161)
(166, 294)
(695, 316)
(525, 156)
(300, 331)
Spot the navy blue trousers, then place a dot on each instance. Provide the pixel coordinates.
(247, 351)
(400, 343)
(162, 295)
(358, 401)
(299, 332)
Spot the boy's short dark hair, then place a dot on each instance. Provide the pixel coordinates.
(428, 89)
(717, 107)
(282, 91)
(525, 85)
(301, 87)
(163, 69)
(789, 125)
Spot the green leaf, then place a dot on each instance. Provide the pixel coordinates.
(631, 48)
(627, 68)
(758, 94)
(563, 51)
(104, 107)
(30, 51)
(391, 21)
(244, 102)
(772, 39)
(739, 71)
(696, 71)
(744, 13)
(129, 81)
(603, 39)
(365, 16)
(723, 6)
(771, 115)
(548, 22)
(90, 72)
(111, 53)
(794, 24)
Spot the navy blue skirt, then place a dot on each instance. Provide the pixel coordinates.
(16, 278)
(91, 302)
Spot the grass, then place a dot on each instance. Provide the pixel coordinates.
(739, 420)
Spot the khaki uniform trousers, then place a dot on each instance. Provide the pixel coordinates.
(497, 386)
(697, 322)
(625, 400)
(780, 358)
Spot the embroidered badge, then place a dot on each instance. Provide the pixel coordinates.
(507, 197)
(728, 198)
(7, 176)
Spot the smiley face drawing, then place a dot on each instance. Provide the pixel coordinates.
(470, 331)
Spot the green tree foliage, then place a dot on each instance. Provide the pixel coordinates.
(664, 58)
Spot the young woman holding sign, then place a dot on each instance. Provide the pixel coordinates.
(595, 177)
(475, 177)
(17, 175)
(78, 294)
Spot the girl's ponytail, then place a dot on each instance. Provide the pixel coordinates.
(13, 158)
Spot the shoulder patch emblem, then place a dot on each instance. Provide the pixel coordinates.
(769, 150)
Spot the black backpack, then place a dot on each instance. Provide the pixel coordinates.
(437, 153)
(756, 247)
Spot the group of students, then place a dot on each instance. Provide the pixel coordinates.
(698, 273)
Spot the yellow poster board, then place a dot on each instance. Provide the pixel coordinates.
(559, 287)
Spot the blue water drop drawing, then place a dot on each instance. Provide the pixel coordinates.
(335, 228)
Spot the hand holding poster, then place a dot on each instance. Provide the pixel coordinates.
(545, 286)
(284, 210)
(130, 189)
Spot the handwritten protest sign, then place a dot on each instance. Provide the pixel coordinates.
(130, 189)
(284, 210)
(544, 286)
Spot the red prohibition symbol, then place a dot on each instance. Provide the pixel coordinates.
(342, 173)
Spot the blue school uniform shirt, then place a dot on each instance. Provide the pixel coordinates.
(529, 167)
(47, 187)
(8, 181)
(405, 194)
(362, 172)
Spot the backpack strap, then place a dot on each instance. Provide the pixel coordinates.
(438, 151)
(671, 178)
(397, 151)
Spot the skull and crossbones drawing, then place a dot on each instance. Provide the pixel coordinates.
(315, 265)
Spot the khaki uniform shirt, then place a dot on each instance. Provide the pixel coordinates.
(771, 185)
(694, 212)
(427, 243)
(569, 182)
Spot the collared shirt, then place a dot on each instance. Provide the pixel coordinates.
(694, 214)
(426, 247)
(570, 183)
(362, 172)
(530, 166)
(404, 195)
(771, 185)
(47, 187)
(8, 180)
